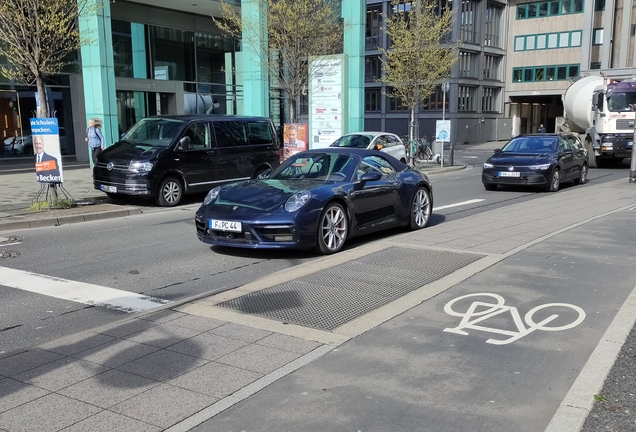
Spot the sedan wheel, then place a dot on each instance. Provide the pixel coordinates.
(555, 181)
(420, 209)
(170, 192)
(332, 229)
(583, 177)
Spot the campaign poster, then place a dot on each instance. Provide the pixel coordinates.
(46, 148)
(294, 138)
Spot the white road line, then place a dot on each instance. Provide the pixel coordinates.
(79, 292)
(459, 204)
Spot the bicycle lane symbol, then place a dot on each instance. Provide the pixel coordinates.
(480, 311)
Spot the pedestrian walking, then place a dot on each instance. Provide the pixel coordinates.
(95, 138)
(541, 128)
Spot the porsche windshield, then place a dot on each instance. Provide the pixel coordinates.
(319, 166)
(154, 131)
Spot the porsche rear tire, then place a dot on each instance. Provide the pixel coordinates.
(333, 229)
(420, 209)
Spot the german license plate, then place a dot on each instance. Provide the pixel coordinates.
(105, 188)
(509, 174)
(221, 225)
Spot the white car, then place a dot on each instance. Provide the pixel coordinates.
(384, 141)
(19, 145)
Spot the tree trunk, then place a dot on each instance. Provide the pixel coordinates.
(412, 124)
(43, 108)
(292, 109)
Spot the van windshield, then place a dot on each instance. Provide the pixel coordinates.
(154, 131)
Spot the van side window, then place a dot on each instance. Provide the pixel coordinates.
(230, 133)
(199, 134)
(259, 132)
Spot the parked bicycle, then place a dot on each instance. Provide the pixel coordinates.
(422, 154)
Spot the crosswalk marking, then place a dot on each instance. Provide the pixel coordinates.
(473, 201)
(79, 292)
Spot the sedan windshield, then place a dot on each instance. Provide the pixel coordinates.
(154, 131)
(532, 145)
(319, 166)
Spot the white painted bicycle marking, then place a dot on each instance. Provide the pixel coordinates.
(480, 311)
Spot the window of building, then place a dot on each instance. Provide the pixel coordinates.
(490, 99)
(467, 63)
(493, 25)
(548, 41)
(491, 67)
(395, 103)
(468, 26)
(595, 65)
(544, 9)
(372, 100)
(129, 48)
(372, 69)
(172, 53)
(374, 27)
(545, 73)
(466, 98)
(435, 101)
(597, 36)
(599, 5)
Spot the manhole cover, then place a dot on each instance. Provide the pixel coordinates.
(10, 239)
(8, 254)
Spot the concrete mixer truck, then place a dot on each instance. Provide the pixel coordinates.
(602, 112)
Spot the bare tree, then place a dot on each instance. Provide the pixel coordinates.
(421, 55)
(296, 30)
(36, 37)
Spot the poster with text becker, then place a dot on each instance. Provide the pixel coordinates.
(46, 148)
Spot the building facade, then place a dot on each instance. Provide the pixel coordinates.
(516, 61)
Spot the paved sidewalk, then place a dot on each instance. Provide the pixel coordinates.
(175, 367)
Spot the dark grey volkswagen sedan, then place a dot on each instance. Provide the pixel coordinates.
(539, 160)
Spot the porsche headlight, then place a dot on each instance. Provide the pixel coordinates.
(212, 195)
(539, 167)
(140, 166)
(488, 165)
(297, 200)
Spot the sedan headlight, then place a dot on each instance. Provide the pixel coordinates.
(488, 165)
(539, 167)
(297, 200)
(140, 166)
(212, 195)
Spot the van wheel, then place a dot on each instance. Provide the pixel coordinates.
(170, 192)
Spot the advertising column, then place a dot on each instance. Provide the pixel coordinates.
(46, 147)
(326, 100)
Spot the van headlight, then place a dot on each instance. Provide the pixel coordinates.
(140, 166)
(297, 200)
(212, 195)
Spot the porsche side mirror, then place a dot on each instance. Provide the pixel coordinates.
(184, 143)
(371, 176)
(497, 150)
(378, 147)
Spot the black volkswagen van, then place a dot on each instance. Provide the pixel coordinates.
(165, 157)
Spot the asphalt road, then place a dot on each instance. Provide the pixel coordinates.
(157, 254)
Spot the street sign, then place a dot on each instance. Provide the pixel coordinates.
(445, 86)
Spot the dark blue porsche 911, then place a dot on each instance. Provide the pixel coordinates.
(317, 199)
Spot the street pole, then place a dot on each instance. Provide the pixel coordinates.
(445, 88)
(632, 165)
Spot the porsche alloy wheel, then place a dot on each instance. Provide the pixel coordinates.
(333, 228)
(420, 209)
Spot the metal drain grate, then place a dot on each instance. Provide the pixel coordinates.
(329, 298)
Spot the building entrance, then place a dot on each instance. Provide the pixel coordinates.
(132, 106)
